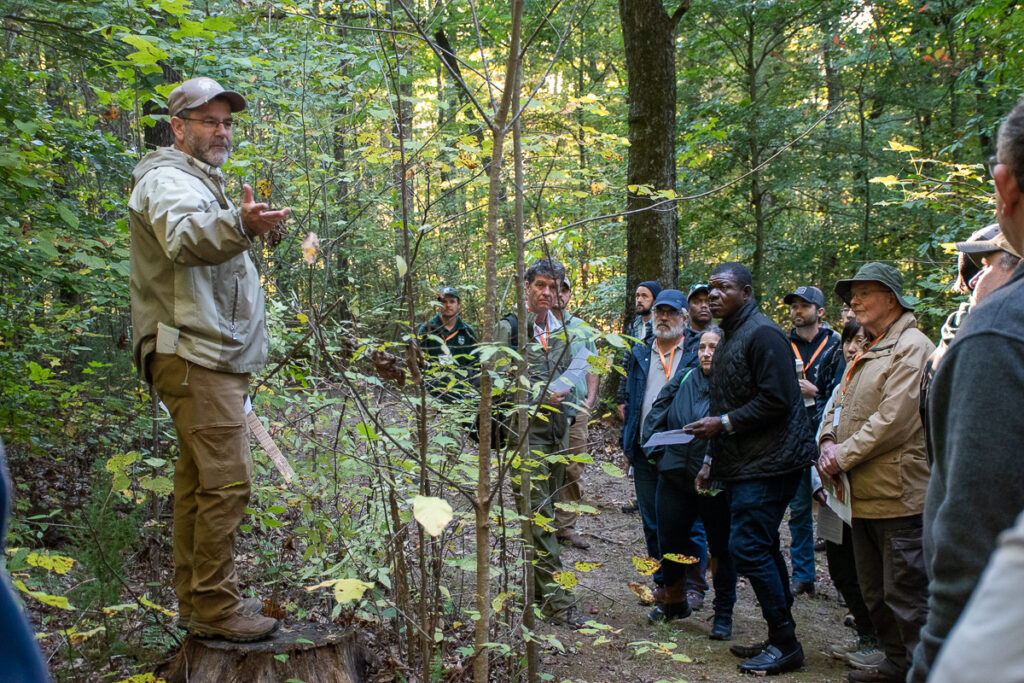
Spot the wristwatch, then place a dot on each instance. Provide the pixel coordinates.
(726, 423)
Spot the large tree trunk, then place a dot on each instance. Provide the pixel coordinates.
(648, 35)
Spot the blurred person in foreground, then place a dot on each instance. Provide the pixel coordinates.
(20, 658)
(874, 433)
(975, 424)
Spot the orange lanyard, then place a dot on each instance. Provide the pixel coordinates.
(454, 332)
(808, 364)
(543, 336)
(671, 356)
(849, 371)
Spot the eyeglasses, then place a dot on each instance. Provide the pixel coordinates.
(864, 293)
(211, 124)
(993, 161)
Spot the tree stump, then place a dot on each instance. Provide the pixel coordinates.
(313, 653)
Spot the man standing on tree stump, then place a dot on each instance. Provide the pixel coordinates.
(199, 329)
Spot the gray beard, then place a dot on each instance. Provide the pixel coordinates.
(674, 332)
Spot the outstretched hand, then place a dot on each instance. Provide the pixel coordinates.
(255, 217)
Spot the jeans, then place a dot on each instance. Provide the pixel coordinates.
(756, 508)
(679, 506)
(890, 568)
(645, 480)
(801, 529)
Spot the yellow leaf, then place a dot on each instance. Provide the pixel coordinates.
(500, 600)
(148, 677)
(52, 600)
(598, 187)
(646, 565)
(433, 513)
(310, 248)
(51, 563)
(347, 590)
(679, 559)
(77, 638)
(162, 610)
(403, 268)
(302, 317)
(566, 580)
(263, 187)
(642, 590)
(587, 566)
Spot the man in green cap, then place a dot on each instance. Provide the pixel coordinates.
(874, 434)
(447, 340)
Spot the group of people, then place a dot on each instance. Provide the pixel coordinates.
(752, 421)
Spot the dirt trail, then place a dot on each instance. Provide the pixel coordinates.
(614, 539)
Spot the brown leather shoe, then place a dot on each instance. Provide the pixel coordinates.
(237, 627)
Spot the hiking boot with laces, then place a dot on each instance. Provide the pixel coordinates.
(237, 627)
(866, 658)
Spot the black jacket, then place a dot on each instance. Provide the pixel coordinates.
(752, 379)
(683, 400)
(828, 340)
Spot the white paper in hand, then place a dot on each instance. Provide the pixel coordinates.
(668, 438)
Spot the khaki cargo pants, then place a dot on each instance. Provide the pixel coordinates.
(572, 491)
(211, 481)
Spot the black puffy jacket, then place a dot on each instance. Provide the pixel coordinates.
(753, 380)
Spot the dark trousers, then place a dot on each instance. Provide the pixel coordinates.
(890, 569)
(756, 508)
(645, 481)
(801, 531)
(679, 506)
(842, 568)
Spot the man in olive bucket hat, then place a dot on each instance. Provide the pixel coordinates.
(874, 434)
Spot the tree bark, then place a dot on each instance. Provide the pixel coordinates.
(648, 35)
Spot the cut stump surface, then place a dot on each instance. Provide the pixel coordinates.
(314, 653)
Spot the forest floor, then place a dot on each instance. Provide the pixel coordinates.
(604, 594)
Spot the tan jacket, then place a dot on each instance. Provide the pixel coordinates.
(878, 426)
(190, 267)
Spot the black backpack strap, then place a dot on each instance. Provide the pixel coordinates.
(513, 322)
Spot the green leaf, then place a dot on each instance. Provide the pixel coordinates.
(402, 267)
(612, 471)
(161, 485)
(433, 513)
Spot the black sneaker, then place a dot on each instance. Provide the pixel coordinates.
(630, 507)
(771, 661)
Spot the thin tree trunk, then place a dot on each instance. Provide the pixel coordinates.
(482, 504)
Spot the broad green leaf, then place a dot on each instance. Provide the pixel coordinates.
(67, 215)
(161, 485)
(433, 513)
(612, 470)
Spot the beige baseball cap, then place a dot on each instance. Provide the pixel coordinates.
(195, 92)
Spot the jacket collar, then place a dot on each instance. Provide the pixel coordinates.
(823, 332)
(730, 323)
(903, 323)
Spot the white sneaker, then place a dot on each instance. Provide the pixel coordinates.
(866, 658)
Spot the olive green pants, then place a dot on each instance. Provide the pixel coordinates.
(211, 481)
(546, 478)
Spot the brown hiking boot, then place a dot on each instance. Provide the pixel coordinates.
(237, 627)
(574, 539)
(246, 606)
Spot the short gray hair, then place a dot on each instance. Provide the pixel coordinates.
(711, 329)
(1010, 145)
(547, 267)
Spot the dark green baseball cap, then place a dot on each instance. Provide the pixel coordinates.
(883, 274)
(448, 291)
